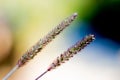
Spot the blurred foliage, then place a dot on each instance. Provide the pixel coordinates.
(32, 19)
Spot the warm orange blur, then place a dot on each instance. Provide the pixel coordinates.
(5, 39)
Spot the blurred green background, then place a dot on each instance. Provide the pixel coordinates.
(26, 21)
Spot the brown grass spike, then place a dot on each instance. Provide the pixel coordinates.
(43, 42)
(69, 53)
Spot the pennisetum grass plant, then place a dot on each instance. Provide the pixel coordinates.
(30, 53)
(69, 53)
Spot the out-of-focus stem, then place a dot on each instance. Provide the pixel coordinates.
(10, 73)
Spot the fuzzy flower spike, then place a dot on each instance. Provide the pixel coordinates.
(43, 42)
(69, 53)
(29, 54)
